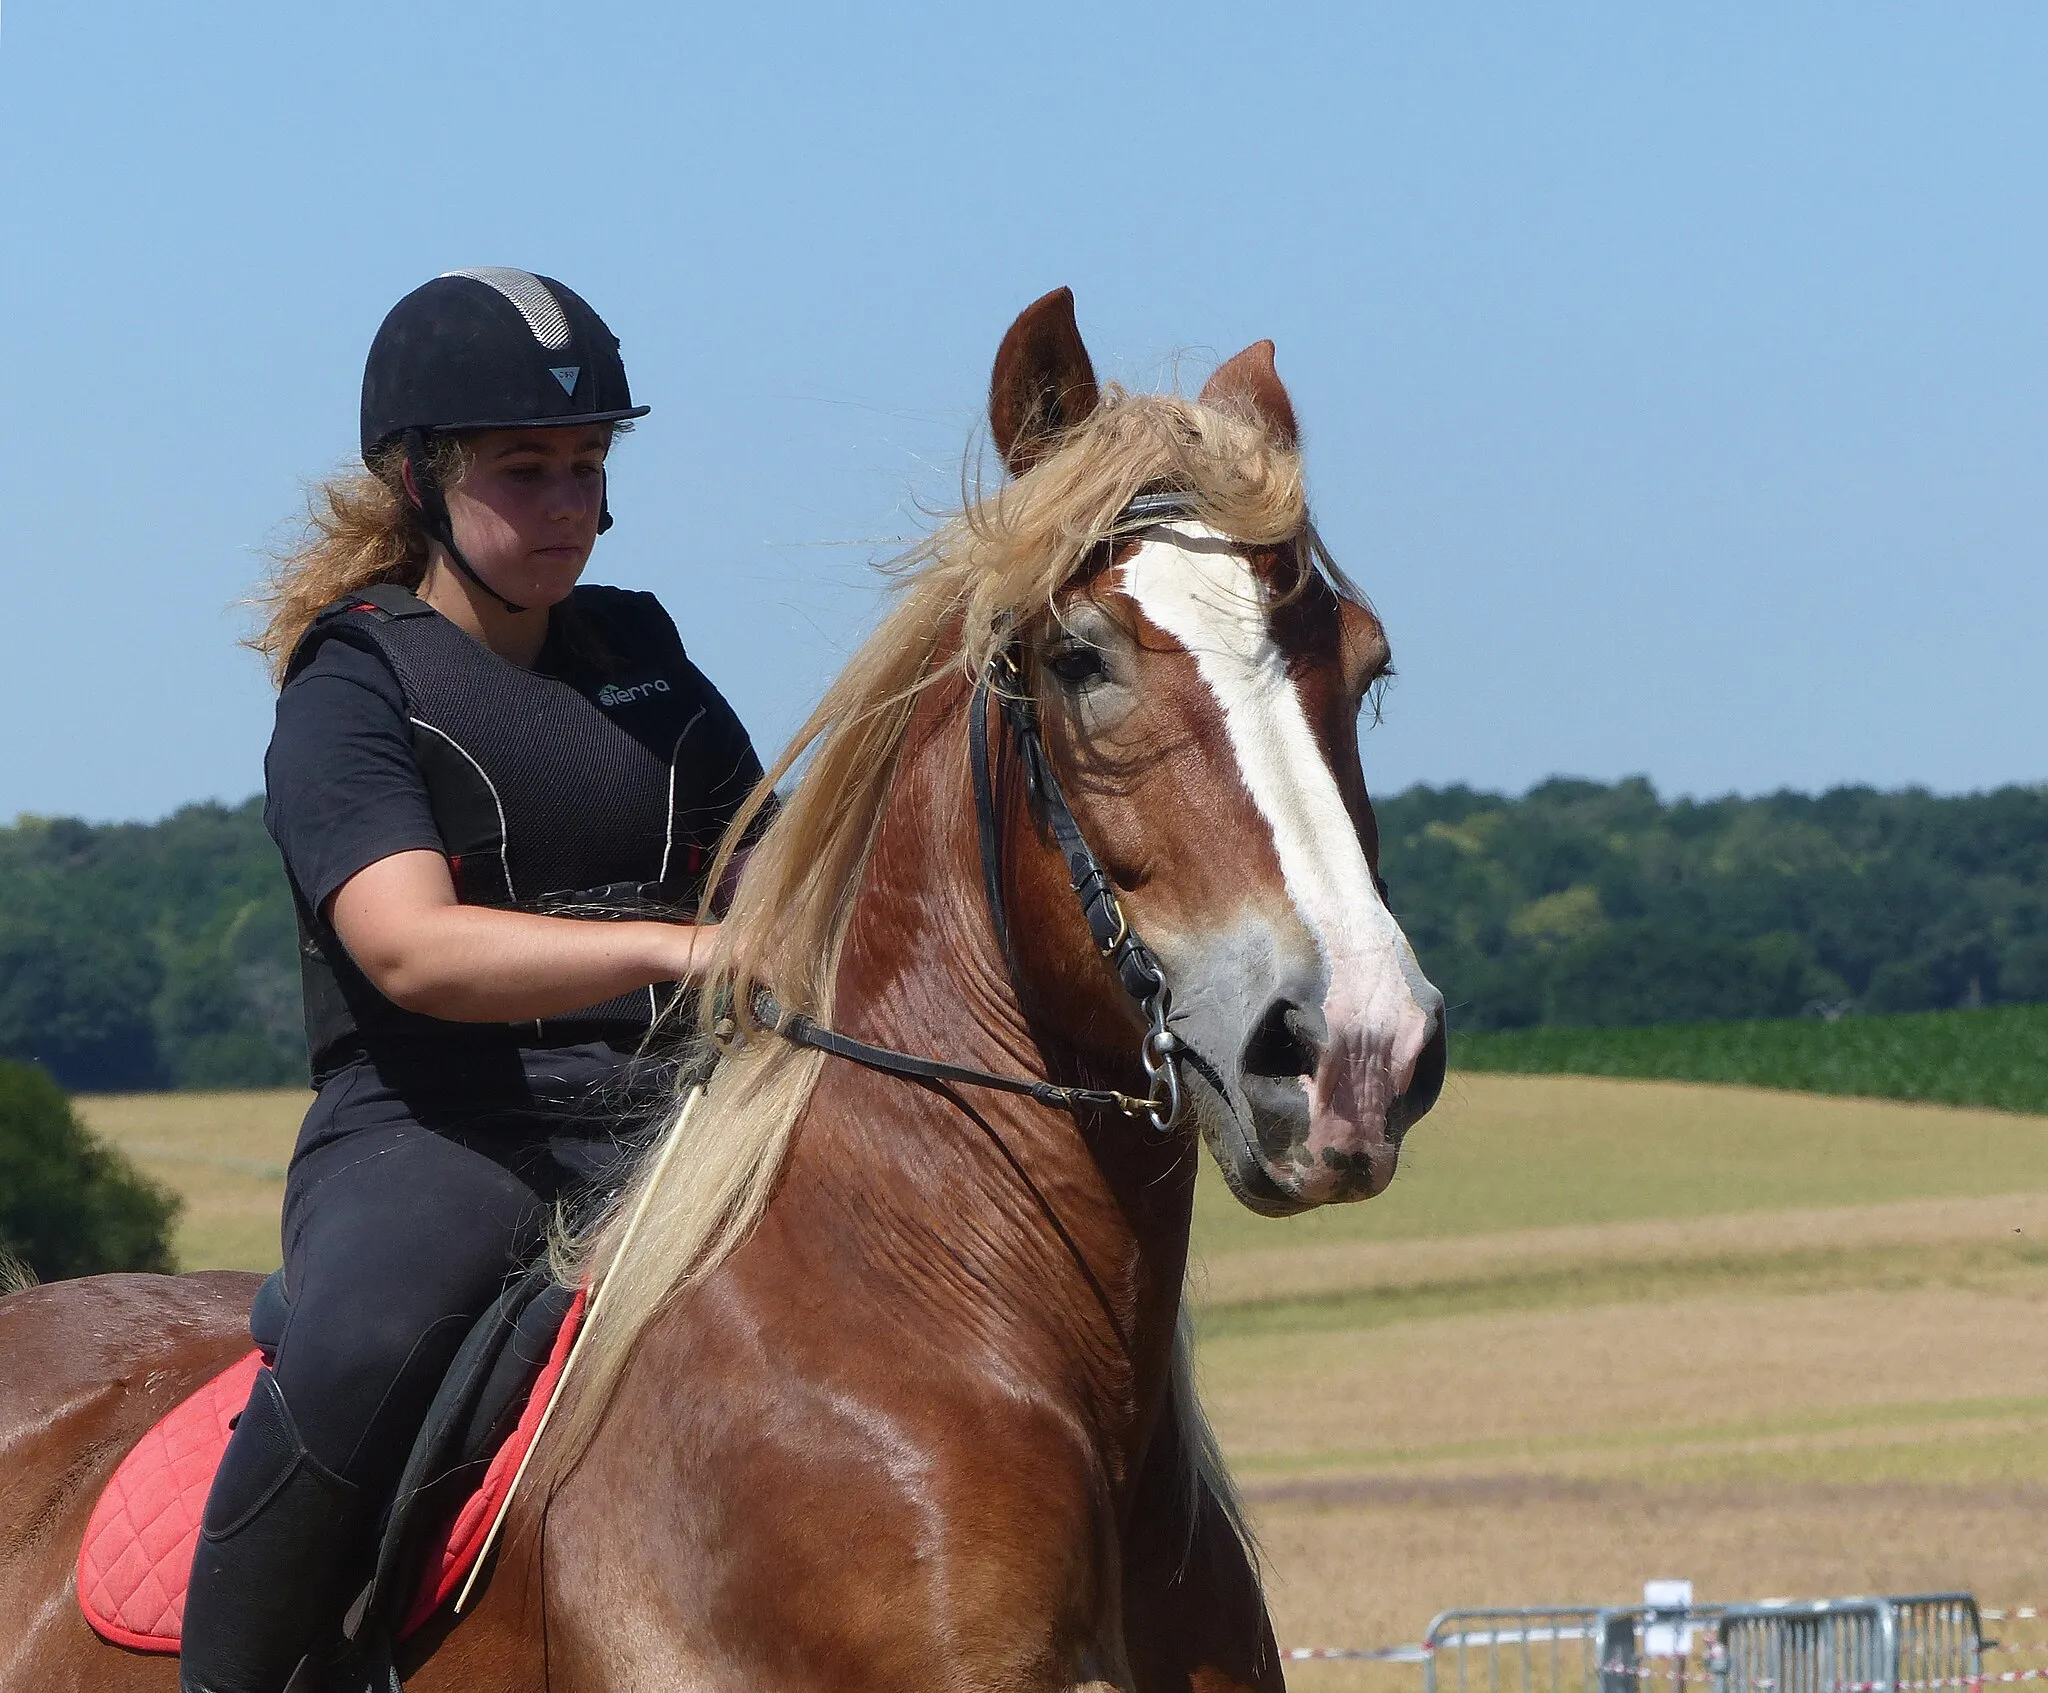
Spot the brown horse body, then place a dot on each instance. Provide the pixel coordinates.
(919, 1428)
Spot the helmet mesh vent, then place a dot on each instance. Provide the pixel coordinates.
(526, 291)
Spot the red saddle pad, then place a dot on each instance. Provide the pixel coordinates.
(137, 1552)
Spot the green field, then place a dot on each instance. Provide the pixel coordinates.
(1996, 1057)
(1546, 1152)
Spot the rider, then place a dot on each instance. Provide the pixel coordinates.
(466, 741)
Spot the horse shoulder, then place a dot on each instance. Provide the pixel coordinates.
(788, 1489)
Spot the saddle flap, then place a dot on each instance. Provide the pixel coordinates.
(136, 1555)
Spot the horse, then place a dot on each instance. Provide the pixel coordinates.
(891, 1386)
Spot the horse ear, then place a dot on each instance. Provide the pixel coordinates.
(1043, 382)
(1249, 387)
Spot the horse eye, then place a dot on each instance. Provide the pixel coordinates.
(1077, 666)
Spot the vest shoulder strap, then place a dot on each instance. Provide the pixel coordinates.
(622, 625)
(385, 601)
(380, 602)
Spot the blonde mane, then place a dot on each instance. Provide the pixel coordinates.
(991, 571)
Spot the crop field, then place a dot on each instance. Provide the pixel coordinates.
(1596, 1331)
(1996, 1057)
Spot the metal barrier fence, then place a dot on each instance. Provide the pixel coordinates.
(1905, 1644)
(1920, 1641)
(1941, 1640)
(1543, 1649)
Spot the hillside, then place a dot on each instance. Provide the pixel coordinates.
(1593, 1329)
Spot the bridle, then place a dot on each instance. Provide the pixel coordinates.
(1136, 966)
(1002, 687)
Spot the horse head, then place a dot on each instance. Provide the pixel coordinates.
(1199, 692)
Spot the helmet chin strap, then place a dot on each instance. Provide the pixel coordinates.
(433, 504)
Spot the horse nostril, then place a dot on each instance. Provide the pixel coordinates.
(1281, 1045)
(1427, 1082)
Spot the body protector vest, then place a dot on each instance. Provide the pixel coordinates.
(595, 786)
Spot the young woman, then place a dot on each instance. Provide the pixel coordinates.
(474, 758)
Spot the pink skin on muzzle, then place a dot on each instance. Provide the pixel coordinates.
(1367, 1065)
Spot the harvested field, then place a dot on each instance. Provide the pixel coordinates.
(1517, 1152)
(223, 1153)
(1596, 1331)
(1370, 1560)
(1604, 1330)
(1829, 1241)
(1748, 1386)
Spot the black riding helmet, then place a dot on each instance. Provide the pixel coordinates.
(487, 349)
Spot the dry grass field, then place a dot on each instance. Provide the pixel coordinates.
(1596, 1331)
(223, 1153)
(1602, 1331)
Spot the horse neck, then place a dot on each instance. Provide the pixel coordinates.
(1057, 1243)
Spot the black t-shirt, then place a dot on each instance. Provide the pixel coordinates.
(343, 788)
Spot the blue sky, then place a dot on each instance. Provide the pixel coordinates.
(1675, 378)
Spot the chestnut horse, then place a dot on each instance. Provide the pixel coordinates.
(891, 1389)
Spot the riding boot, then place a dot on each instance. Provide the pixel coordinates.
(277, 1545)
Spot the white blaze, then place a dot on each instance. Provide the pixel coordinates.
(1196, 586)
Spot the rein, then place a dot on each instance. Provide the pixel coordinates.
(1137, 967)
(800, 1030)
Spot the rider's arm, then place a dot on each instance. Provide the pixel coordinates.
(351, 815)
(403, 926)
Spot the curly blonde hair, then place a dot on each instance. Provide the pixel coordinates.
(360, 527)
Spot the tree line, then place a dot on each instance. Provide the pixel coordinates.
(1593, 905)
(149, 955)
(164, 954)
(70, 1205)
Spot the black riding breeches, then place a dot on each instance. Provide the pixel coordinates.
(407, 1205)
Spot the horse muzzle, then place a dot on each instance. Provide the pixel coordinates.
(1327, 1099)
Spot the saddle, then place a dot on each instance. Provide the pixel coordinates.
(137, 1553)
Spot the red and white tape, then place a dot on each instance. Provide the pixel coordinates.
(1969, 1681)
(1766, 1684)
(1355, 1654)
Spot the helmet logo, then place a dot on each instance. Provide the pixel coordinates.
(566, 374)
